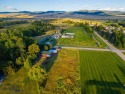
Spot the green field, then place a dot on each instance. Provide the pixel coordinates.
(102, 73)
(81, 39)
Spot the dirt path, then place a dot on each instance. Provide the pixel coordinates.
(82, 48)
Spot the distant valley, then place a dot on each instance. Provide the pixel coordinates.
(83, 14)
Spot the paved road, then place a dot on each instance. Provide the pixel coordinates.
(112, 48)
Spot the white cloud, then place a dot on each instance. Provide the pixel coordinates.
(112, 9)
(8, 7)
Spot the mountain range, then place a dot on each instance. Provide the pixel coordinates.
(73, 14)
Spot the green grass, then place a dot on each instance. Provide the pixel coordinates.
(102, 44)
(124, 53)
(81, 39)
(102, 73)
(19, 83)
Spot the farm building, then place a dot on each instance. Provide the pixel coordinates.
(45, 54)
(68, 35)
(55, 36)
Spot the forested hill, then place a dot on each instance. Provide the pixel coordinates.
(86, 14)
(96, 13)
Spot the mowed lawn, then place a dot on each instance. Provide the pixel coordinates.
(102, 73)
(81, 39)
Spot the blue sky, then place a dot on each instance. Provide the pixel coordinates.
(66, 5)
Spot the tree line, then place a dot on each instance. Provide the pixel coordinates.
(85, 26)
(6, 23)
(18, 48)
(116, 36)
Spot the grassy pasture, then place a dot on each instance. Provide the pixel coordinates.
(81, 38)
(102, 73)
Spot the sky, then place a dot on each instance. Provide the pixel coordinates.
(61, 5)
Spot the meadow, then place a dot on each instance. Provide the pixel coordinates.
(101, 73)
(63, 77)
(81, 39)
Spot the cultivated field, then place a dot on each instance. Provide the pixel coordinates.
(102, 73)
(81, 39)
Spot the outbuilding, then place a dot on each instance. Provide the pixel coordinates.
(68, 35)
(53, 50)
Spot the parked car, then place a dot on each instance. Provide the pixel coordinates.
(53, 50)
